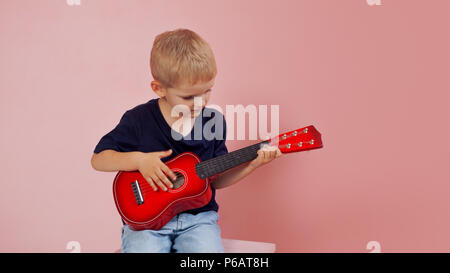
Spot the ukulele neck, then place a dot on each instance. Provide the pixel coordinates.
(227, 161)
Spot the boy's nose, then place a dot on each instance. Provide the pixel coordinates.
(200, 101)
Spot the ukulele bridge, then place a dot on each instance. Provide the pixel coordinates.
(137, 192)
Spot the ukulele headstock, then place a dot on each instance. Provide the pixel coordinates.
(306, 138)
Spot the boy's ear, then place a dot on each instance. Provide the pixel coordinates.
(158, 88)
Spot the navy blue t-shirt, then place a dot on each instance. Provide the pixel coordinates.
(143, 128)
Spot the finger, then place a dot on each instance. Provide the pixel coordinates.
(270, 148)
(165, 153)
(150, 181)
(266, 156)
(265, 147)
(159, 182)
(273, 154)
(263, 155)
(278, 152)
(258, 159)
(168, 172)
(164, 178)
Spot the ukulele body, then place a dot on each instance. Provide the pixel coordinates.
(143, 208)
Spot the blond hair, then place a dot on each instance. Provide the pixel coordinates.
(181, 56)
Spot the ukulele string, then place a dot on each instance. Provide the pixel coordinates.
(146, 187)
(233, 157)
(236, 155)
(239, 154)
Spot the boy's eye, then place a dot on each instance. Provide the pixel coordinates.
(191, 97)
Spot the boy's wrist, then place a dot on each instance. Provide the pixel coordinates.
(137, 159)
(250, 168)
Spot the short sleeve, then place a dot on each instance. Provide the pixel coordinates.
(220, 148)
(123, 138)
(219, 144)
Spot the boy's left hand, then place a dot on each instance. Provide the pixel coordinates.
(265, 155)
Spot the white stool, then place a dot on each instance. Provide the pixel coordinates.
(239, 246)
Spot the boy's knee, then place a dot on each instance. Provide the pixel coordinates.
(201, 247)
(144, 241)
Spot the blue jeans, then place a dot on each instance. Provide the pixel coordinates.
(184, 233)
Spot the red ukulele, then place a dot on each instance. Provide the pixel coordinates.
(143, 208)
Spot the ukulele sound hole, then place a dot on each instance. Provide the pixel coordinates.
(179, 181)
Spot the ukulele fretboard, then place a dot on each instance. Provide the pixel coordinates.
(227, 161)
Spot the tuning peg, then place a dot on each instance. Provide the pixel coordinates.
(285, 146)
(300, 144)
(304, 131)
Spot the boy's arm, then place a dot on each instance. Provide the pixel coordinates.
(228, 178)
(111, 161)
(232, 176)
(148, 164)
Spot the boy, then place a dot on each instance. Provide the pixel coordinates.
(183, 68)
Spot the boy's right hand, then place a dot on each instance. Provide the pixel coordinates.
(155, 171)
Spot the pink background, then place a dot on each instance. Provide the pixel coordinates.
(373, 79)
